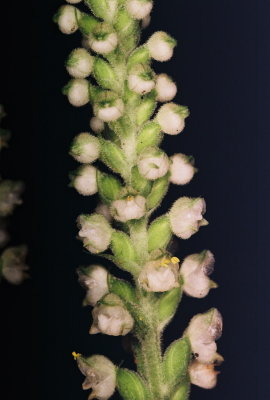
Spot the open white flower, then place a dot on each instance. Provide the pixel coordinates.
(160, 275)
(10, 196)
(77, 91)
(13, 264)
(111, 317)
(104, 210)
(139, 9)
(96, 124)
(85, 148)
(141, 79)
(80, 63)
(85, 181)
(161, 46)
(67, 19)
(182, 169)
(100, 376)
(203, 375)
(202, 332)
(95, 231)
(95, 279)
(186, 216)
(153, 163)
(108, 106)
(132, 207)
(171, 118)
(195, 271)
(165, 87)
(103, 39)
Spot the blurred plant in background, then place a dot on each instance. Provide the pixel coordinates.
(12, 259)
(131, 176)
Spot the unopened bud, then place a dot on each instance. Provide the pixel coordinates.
(77, 91)
(108, 106)
(95, 280)
(153, 163)
(95, 232)
(67, 19)
(85, 180)
(104, 210)
(96, 124)
(139, 9)
(171, 118)
(186, 216)
(203, 375)
(165, 87)
(80, 63)
(141, 79)
(146, 21)
(111, 318)
(182, 169)
(85, 148)
(160, 275)
(161, 46)
(129, 208)
(103, 39)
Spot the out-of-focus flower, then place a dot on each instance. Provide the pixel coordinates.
(12, 263)
(10, 192)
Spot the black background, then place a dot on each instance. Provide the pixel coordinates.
(222, 69)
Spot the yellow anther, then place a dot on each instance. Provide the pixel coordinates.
(129, 198)
(76, 355)
(165, 261)
(175, 260)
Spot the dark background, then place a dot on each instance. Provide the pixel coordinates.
(222, 69)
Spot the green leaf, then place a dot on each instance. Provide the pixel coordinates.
(104, 74)
(159, 233)
(109, 187)
(159, 189)
(182, 393)
(176, 361)
(113, 157)
(139, 183)
(139, 56)
(150, 135)
(124, 252)
(130, 385)
(87, 23)
(146, 108)
(167, 305)
(122, 288)
(98, 7)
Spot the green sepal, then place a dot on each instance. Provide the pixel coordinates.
(139, 183)
(98, 7)
(159, 189)
(121, 288)
(167, 306)
(113, 157)
(149, 136)
(146, 108)
(87, 23)
(104, 74)
(159, 233)
(124, 252)
(182, 392)
(131, 98)
(125, 25)
(109, 187)
(176, 360)
(139, 56)
(130, 385)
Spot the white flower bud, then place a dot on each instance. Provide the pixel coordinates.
(165, 87)
(100, 376)
(129, 208)
(139, 9)
(77, 91)
(111, 317)
(95, 231)
(171, 118)
(95, 280)
(104, 210)
(96, 124)
(108, 107)
(161, 46)
(80, 63)
(85, 181)
(146, 21)
(67, 19)
(13, 264)
(85, 148)
(160, 275)
(203, 375)
(73, 1)
(153, 163)
(141, 79)
(182, 169)
(202, 332)
(186, 216)
(195, 271)
(103, 39)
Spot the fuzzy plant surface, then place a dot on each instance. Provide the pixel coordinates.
(122, 161)
(12, 258)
